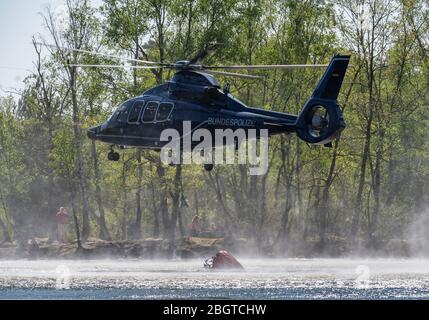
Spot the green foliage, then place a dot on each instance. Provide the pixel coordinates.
(383, 152)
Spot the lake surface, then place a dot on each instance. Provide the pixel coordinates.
(262, 279)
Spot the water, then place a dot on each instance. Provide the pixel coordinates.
(262, 279)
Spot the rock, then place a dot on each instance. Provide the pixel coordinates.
(135, 251)
(33, 249)
(191, 247)
(102, 248)
(8, 244)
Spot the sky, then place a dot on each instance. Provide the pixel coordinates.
(19, 20)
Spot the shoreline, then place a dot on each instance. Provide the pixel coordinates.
(185, 248)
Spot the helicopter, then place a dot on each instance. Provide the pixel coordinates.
(193, 94)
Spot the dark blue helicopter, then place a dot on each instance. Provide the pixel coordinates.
(194, 95)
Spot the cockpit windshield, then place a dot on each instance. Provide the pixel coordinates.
(113, 115)
(121, 112)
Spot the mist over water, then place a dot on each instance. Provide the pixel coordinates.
(261, 279)
(418, 234)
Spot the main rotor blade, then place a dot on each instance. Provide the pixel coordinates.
(115, 57)
(114, 66)
(107, 55)
(267, 67)
(231, 74)
(209, 49)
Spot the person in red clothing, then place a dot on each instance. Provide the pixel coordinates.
(62, 218)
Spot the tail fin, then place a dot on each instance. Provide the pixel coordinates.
(321, 121)
(330, 84)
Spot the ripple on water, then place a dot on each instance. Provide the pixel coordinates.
(262, 279)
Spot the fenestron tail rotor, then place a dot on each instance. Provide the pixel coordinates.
(319, 121)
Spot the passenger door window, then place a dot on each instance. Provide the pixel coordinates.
(164, 111)
(150, 111)
(134, 115)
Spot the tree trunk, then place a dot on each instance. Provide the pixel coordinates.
(175, 207)
(377, 190)
(359, 194)
(75, 220)
(6, 234)
(154, 210)
(197, 206)
(104, 232)
(221, 200)
(181, 227)
(80, 167)
(324, 206)
(5, 231)
(303, 219)
(51, 211)
(137, 232)
(125, 198)
(163, 200)
(282, 236)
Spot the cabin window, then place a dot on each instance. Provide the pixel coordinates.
(150, 111)
(135, 112)
(123, 111)
(164, 111)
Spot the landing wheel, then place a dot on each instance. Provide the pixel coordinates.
(112, 155)
(208, 166)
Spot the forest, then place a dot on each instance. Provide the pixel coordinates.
(370, 190)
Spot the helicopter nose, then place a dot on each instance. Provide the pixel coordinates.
(92, 132)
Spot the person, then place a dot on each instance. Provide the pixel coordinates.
(62, 218)
(195, 226)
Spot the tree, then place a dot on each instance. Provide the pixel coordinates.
(76, 35)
